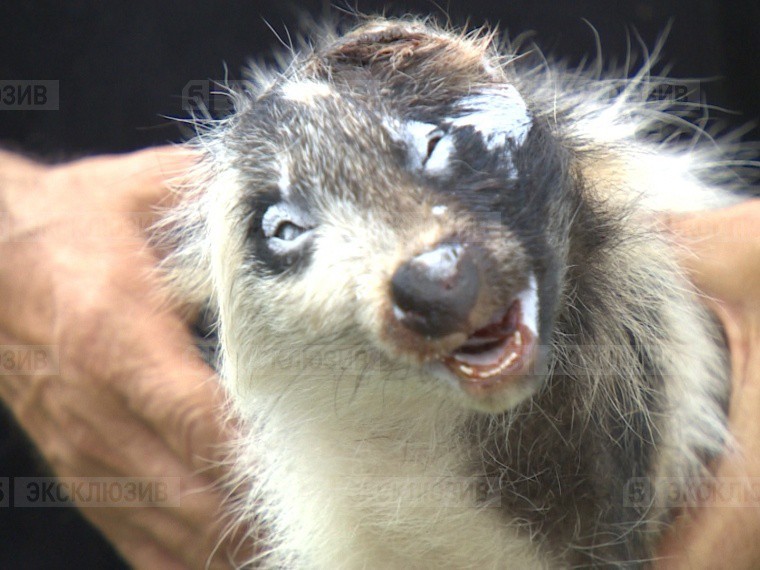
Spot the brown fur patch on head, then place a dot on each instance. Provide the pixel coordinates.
(413, 58)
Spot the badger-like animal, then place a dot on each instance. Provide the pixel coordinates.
(450, 321)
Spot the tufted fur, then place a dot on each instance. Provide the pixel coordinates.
(359, 455)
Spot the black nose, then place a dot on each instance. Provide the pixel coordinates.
(435, 292)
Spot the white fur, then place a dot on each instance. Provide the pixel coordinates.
(439, 161)
(499, 115)
(529, 302)
(306, 91)
(284, 181)
(441, 262)
(417, 135)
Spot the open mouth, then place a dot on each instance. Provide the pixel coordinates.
(499, 353)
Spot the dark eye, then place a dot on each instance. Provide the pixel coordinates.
(432, 143)
(287, 231)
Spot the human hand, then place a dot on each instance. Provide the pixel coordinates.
(722, 254)
(129, 398)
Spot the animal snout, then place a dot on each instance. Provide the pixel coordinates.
(435, 292)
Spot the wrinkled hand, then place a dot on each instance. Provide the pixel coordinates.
(128, 397)
(725, 264)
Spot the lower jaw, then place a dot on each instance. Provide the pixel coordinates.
(495, 397)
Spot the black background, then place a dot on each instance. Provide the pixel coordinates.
(122, 67)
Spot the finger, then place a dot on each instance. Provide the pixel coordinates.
(179, 396)
(187, 412)
(139, 180)
(156, 171)
(173, 547)
(712, 537)
(194, 545)
(721, 250)
(187, 517)
(186, 520)
(133, 543)
(122, 336)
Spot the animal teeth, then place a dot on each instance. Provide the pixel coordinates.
(503, 366)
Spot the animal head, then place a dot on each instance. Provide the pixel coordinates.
(393, 195)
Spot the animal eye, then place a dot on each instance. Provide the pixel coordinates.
(432, 143)
(286, 228)
(439, 149)
(429, 146)
(287, 231)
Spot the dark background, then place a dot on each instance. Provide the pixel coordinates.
(122, 68)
